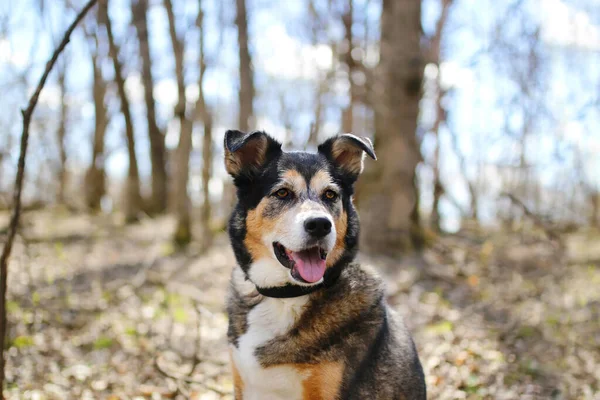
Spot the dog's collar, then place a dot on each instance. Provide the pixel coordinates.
(290, 290)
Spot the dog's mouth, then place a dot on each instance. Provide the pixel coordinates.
(307, 266)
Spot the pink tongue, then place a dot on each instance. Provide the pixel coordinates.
(309, 263)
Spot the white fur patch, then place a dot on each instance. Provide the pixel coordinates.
(268, 272)
(270, 318)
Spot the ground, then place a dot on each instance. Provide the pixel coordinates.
(99, 310)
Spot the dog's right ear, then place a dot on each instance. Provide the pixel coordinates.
(246, 153)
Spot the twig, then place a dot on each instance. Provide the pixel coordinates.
(186, 379)
(197, 342)
(14, 220)
(536, 219)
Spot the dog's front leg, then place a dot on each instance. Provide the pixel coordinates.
(238, 383)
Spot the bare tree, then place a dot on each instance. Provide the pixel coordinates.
(95, 178)
(389, 191)
(471, 185)
(139, 10)
(183, 231)
(594, 199)
(317, 28)
(202, 110)
(435, 52)
(351, 66)
(61, 132)
(133, 198)
(246, 93)
(246, 89)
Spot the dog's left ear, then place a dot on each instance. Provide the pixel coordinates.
(246, 153)
(348, 151)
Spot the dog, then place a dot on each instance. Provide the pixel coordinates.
(305, 320)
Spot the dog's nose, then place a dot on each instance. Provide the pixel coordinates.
(317, 227)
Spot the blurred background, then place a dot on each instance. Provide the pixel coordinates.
(482, 211)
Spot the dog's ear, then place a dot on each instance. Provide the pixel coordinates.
(245, 153)
(347, 152)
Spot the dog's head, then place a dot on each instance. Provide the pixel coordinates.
(294, 220)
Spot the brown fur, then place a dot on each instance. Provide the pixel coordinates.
(295, 180)
(322, 380)
(341, 226)
(320, 181)
(252, 154)
(348, 156)
(256, 225)
(238, 383)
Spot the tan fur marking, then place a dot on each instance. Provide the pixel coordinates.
(341, 226)
(323, 380)
(348, 156)
(256, 226)
(320, 181)
(238, 384)
(295, 180)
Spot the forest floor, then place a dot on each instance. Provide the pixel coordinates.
(98, 310)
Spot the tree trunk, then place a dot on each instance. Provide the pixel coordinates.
(246, 94)
(317, 29)
(61, 133)
(440, 117)
(158, 157)
(133, 198)
(95, 176)
(388, 191)
(206, 174)
(348, 112)
(183, 231)
(202, 111)
(595, 216)
(246, 91)
(438, 188)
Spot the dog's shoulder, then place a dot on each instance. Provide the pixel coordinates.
(389, 365)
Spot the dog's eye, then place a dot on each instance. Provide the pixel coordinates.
(282, 193)
(330, 195)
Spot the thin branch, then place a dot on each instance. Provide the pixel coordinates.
(187, 379)
(14, 220)
(535, 218)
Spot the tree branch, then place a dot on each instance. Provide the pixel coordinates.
(186, 379)
(553, 235)
(14, 220)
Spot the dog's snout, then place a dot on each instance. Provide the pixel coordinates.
(317, 227)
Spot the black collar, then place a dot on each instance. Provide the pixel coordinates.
(290, 290)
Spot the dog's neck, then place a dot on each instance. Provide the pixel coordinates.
(285, 290)
(290, 290)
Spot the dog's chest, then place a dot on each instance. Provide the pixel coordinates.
(267, 320)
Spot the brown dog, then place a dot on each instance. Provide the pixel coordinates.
(305, 321)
